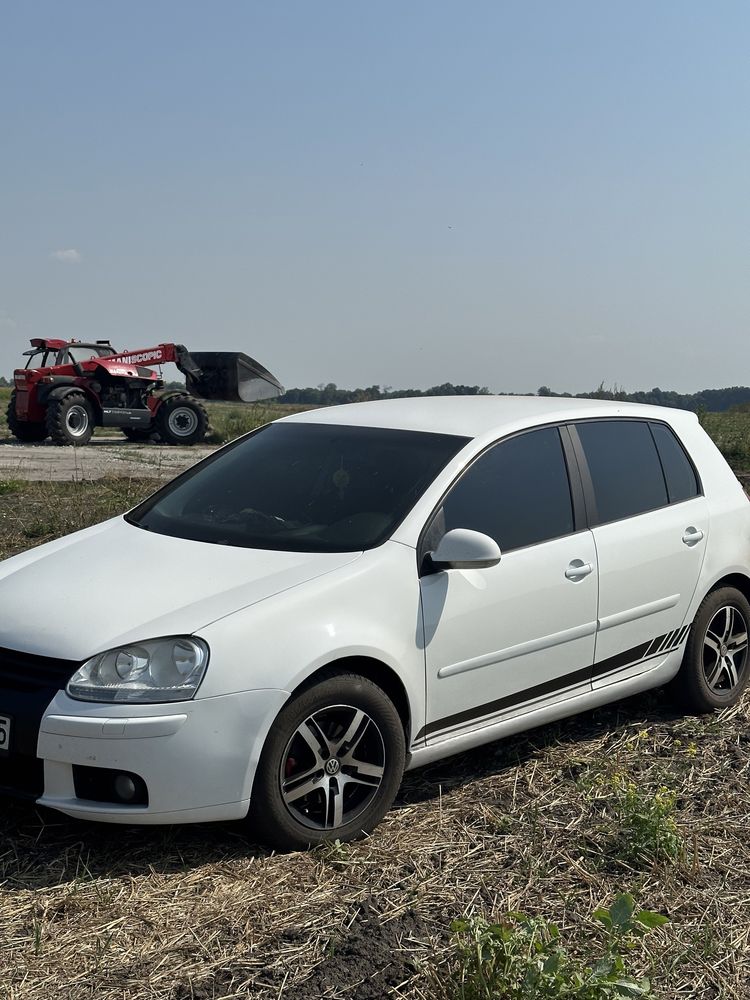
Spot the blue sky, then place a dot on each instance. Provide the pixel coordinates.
(509, 194)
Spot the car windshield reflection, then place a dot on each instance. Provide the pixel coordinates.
(302, 487)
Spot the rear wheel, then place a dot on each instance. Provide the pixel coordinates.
(70, 420)
(714, 670)
(181, 420)
(23, 430)
(331, 765)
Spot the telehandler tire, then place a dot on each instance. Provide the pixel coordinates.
(23, 430)
(181, 419)
(70, 420)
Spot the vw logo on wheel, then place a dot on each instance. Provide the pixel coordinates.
(332, 766)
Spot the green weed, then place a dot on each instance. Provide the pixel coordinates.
(523, 958)
(647, 830)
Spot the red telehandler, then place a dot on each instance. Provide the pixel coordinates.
(67, 388)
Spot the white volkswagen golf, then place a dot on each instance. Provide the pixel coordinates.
(346, 593)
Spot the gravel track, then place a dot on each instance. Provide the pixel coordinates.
(102, 457)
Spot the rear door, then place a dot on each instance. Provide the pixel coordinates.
(650, 526)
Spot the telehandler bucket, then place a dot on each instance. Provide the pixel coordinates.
(225, 375)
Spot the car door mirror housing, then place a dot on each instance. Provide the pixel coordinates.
(462, 548)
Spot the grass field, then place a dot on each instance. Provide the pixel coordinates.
(731, 433)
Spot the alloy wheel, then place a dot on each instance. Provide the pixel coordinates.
(332, 767)
(725, 650)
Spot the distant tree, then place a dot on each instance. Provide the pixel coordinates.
(707, 400)
(327, 394)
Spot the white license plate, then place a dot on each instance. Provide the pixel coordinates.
(4, 733)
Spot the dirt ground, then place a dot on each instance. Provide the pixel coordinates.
(104, 456)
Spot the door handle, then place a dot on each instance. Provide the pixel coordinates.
(577, 570)
(692, 536)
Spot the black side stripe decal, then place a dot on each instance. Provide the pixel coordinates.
(614, 664)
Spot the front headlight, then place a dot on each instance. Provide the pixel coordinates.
(157, 670)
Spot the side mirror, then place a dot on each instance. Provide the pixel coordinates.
(462, 548)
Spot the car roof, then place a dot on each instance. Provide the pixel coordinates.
(477, 416)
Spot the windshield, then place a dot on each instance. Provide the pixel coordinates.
(301, 487)
(48, 358)
(78, 354)
(40, 359)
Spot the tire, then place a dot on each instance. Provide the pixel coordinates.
(181, 420)
(716, 665)
(23, 430)
(135, 434)
(310, 767)
(70, 420)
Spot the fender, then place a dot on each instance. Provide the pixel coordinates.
(154, 403)
(52, 389)
(61, 391)
(164, 396)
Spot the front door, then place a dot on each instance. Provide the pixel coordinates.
(507, 639)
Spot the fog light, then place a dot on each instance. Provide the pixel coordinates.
(103, 784)
(125, 787)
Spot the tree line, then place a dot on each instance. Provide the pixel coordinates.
(712, 400)
(326, 395)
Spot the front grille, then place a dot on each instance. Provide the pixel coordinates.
(27, 672)
(28, 683)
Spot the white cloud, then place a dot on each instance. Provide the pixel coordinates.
(67, 256)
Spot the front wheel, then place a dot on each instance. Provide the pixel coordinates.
(331, 766)
(714, 670)
(181, 420)
(70, 420)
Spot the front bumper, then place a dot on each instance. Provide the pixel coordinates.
(197, 758)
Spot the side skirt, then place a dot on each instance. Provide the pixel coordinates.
(531, 718)
(605, 671)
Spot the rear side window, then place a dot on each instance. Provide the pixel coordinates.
(682, 483)
(517, 493)
(625, 467)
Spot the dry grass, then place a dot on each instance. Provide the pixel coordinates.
(114, 912)
(36, 512)
(533, 823)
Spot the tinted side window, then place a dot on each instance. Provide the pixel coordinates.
(624, 466)
(682, 483)
(518, 492)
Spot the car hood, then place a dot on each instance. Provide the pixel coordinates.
(116, 583)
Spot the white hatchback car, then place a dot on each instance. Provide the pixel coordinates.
(353, 591)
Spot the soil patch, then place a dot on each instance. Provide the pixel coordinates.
(372, 957)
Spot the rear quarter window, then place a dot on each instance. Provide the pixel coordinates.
(682, 482)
